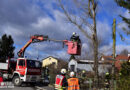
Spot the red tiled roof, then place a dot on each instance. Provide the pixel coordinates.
(118, 64)
(107, 57)
(121, 57)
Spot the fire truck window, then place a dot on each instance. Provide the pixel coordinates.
(30, 63)
(21, 63)
(37, 64)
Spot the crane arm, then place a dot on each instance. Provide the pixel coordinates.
(34, 39)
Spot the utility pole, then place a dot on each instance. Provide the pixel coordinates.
(114, 52)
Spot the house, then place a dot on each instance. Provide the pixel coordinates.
(57, 62)
(118, 60)
(106, 58)
(78, 65)
(49, 60)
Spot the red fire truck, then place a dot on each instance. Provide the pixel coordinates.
(25, 70)
(21, 70)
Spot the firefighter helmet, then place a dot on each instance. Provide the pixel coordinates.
(63, 71)
(107, 73)
(72, 74)
(83, 71)
(74, 33)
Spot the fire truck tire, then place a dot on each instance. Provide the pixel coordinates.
(17, 81)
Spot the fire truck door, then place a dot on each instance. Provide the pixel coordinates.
(21, 67)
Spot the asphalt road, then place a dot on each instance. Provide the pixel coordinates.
(28, 87)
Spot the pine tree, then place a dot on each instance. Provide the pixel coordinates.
(125, 4)
(6, 47)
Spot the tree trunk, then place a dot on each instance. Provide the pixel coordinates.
(114, 53)
(95, 44)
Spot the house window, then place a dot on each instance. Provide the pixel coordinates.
(72, 67)
(21, 63)
(53, 62)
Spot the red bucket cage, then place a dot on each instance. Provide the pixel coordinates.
(73, 47)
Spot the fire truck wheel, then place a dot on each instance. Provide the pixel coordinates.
(17, 81)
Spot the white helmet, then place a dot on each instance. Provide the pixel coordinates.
(74, 33)
(72, 74)
(63, 71)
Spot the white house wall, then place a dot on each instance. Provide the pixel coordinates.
(102, 68)
(89, 67)
(73, 62)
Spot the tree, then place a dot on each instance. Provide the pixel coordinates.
(124, 52)
(6, 47)
(125, 4)
(124, 77)
(125, 69)
(85, 20)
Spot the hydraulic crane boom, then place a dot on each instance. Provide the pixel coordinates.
(34, 39)
(74, 48)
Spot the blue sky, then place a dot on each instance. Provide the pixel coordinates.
(23, 18)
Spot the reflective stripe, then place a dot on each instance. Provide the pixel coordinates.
(57, 86)
(74, 86)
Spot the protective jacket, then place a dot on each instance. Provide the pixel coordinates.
(73, 84)
(1, 79)
(60, 82)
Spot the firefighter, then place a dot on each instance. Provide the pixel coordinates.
(75, 38)
(107, 76)
(1, 78)
(46, 71)
(73, 82)
(83, 74)
(107, 80)
(61, 81)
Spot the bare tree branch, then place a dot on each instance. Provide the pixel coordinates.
(74, 21)
(89, 11)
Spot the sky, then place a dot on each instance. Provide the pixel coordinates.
(24, 18)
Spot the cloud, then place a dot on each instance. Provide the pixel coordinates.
(127, 14)
(23, 18)
(20, 12)
(106, 49)
(110, 8)
(104, 32)
(122, 47)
